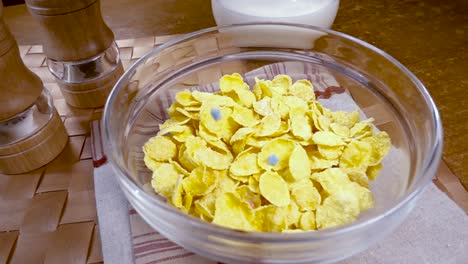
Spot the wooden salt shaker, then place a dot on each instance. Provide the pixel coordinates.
(80, 49)
(31, 132)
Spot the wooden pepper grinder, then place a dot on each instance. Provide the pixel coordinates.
(31, 132)
(80, 49)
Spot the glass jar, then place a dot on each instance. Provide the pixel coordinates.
(319, 13)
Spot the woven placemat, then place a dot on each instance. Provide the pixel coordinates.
(49, 215)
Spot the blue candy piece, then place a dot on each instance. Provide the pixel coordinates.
(216, 113)
(273, 159)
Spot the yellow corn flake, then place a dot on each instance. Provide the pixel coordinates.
(225, 183)
(263, 107)
(337, 209)
(280, 84)
(173, 122)
(188, 202)
(180, 132)
(246, 195)
(284, 128)
(275, 154)
(307, 221)
(295, 102)
(380, 147)
(170, 129)
(373, 171)
(324, 123)
(212, 159)
(240, 179)
(230, 129)
(233, 213)
(303, 89)
(299, 165)
(361, 129)
(257, 142)
(244, 116)
(262, 89)
(238, 147)
(245, 164)
(330, 153)
(358, 176)
(229, 83)
(346, 119)
(274, 189)
(215, 118)
(191, 115)
(301, 125)
(234, 87)
(306, 196)
(241, 134)
(206, 205)
(336, 182)
(340, 130)
(213, 99)
(165, 178)
(184, 134)
(327, 139)
(293, 215)
(317, 162)
(160, 148)
(179, 168)
(253, 184)
(246, 97)
(200, 181)
(177, 198)
(332, 180)
(357, 155)
(364, 196)
(268, 125)
(271, 218)
(187, 152)
(151, 163)
(205, 134)
(279, 106)
(185, 98)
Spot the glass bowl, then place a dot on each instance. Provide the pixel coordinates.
(376, 82)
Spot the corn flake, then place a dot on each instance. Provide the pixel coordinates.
(305, 195)
(200, 181)
(299, 165)
(245, 164)
(160, 148)
(327, 139)
(244, 116)
(303, 89)
(274, 189)
(307, 221)
(275, 154)
(232, 212)
(357, 155)
(165, 178)
(301, 126)
(268, 125)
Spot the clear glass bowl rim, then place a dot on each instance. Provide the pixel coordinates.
(431, 160)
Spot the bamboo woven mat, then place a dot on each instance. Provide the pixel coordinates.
(49, 215)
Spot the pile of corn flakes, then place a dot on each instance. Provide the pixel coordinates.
(272, 159)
